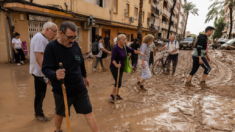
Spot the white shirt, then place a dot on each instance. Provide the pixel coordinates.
(17, 43)
(100, 48)
(115, 41)
(173, 46)
(38, 44)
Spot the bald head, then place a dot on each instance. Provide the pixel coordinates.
(172, 38)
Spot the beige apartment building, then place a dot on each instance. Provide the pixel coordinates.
(111, 17)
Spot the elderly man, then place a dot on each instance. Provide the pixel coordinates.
(173, 49)
(66, 50)
(37, 47)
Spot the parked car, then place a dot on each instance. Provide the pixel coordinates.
(187, 43)
(219, 43)
(229, 45)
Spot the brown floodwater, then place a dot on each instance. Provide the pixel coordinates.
(167, 106)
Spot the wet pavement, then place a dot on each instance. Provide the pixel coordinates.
(167, 106)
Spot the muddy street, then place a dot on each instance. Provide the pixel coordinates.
(167, 106)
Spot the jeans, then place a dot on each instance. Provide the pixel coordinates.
(98, 59)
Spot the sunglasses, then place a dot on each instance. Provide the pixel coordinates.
(71, 37)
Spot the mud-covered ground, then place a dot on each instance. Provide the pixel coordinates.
(167, 106)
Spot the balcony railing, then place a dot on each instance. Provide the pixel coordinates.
(166, 12)
(155, 10)
(170, 2)
(174, 19)
(165, 25)
(173, 29)
(176, 10)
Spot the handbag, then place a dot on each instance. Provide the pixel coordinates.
(104, 55)
(127, 67)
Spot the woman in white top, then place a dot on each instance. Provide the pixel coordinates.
(17, 46)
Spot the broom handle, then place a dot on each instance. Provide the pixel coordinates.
(65, 100)
(115, 96)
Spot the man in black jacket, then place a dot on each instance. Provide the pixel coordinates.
(200, 57)
(67, 51)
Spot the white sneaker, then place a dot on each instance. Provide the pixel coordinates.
(94, 69)
(22, 62)
(18, 64)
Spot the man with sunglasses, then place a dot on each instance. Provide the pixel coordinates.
(66, 50)
(37, 47)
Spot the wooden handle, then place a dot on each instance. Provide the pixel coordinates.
(65, 100)
(115, 96)
(61, 67)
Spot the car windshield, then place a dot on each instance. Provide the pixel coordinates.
(188, 39)
(230, 41)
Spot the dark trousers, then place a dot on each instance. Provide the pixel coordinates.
(174, 59)
(114, 71)
(98, 59)
(19, 56)
(134, 59)
(196, 65)
(151, 58)
(40, 93)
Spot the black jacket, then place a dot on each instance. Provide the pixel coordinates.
(73, 63)
(201, 43)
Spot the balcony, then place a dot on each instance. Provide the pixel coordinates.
(166, 12)
(170, 2)
(155, 10)
(173, 29)
(176, 10)
(174, 19)
(165, 25)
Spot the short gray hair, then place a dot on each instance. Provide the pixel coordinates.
(67, 24)
(172, 35)
(48, 25)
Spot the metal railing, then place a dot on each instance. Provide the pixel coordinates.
(166, 12)
(174, 19)
(173, 29)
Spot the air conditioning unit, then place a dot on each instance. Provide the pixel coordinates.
(85, 26)
(131, 19)
(161, 13)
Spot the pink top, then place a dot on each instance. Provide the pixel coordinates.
(207, 47)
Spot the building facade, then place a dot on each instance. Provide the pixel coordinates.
(111, 17)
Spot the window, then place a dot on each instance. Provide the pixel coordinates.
(136, 13)
(99, 3)
(143, 16)
(127, 9)
(79, 34)
(115, 9)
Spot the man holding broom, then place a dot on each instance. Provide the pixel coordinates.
(67, 51)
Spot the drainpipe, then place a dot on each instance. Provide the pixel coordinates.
(8, 42)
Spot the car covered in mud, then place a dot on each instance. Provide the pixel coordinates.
(187, 43)
(219, 43)
(229, 45)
